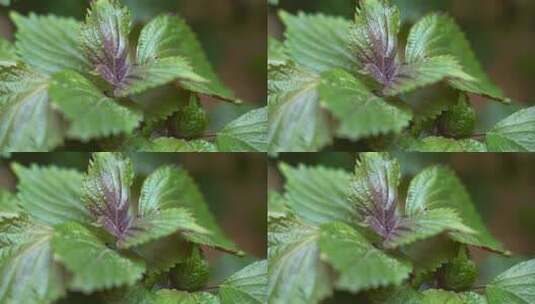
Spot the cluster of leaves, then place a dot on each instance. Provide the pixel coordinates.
(332, 230)
(335, 78)
(63, 79)
(65, 232)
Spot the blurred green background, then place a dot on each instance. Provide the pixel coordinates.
(232, 32)
(233, 184)
(501, 33)
(500, 185)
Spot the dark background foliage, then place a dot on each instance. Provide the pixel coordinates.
(501, 33)
(500, 185)
(232, 33)
(233, 184)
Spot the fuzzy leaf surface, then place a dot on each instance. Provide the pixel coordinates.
(8, 54)
(93, 264)
(296, 121)
(50, 194)
(318, 42)
(91, 113)
(515, 286)
(27, 122)
(360, 112)
(515, 133)
(317, 194)
(438, 187)
(247, 133)
(172, 296)
(437, 35)
(48, 43)
(439, 296)
(247, 286)
(9, 206)
(295, 272)
(360, 265)
(28, 271)
(443, 144)
(170, 36)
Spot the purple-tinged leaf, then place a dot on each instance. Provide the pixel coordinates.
(374, 192)
(373, 38)
(104, 39)
(107, 192)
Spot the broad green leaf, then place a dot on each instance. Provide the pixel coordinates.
(295, 272)
(247, 286)
(400, 295)
(514, 286)
(48, 43)
(430, 254)
(170, 36)
(51, 195)
(277, 205)
(172, 296)
(156, 224)
(9, 205)
(93, 265)
(425, 72)
(429, 102)
(438, 187)
(296, 121)
(317, 194)
(515, 133)
(277, 53)
(247, 133)
(473, 298)
(375, 183)
(318, 42)
(164, 253)
(425, 225)
(157, 73)
(437, 35)
(28, 272)
(8, 56)
(90, 112)
(360, 112)
(360, 265)
(443, 144)
(438, 296)
(27, 121)
(171, 187)
(167, 144)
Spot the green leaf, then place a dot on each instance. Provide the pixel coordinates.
(93, 264)
(157, 73)
(48, 43)
(437, 35)
(295, 272)
(425, 72)
(277, 205)
(296, 121)
(360, 265)
(8, 56)
(27, 122)
(28, 272)
(168, 144)
(9, 206)
(163, 254)
(91, 113)
(170, 36)
(425, 225)
(51, 195)
(317, 194)
(318, 42)
(516, 285)
(438, 187)
(359, 111)
(171, 187)
(438, 296)
(157, 224)
(172, 296)
(473, 298)
(247, 286)
(375, 183)
(247, 133)
(515, 133)
(277, 52)
(443, 144)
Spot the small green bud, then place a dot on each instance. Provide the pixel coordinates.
(190, 121)
(461, 272)
(193, 273)
(459, 120)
